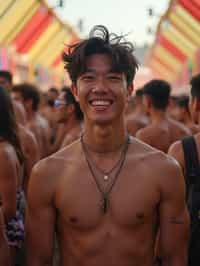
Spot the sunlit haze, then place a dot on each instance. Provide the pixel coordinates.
(128, 16)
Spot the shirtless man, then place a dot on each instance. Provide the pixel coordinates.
(163, 130)
(29, 96)
(5, 259)
(137, 119)
(183, 115)
(68, 112)
(47, 109)
(176, 149)
(107, 192)
(28, 142)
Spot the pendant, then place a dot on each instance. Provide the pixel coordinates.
(105, 177)
(105, 204)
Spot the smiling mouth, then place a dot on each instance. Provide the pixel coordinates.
(105, 103)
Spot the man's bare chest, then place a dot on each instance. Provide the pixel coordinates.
(132, 201)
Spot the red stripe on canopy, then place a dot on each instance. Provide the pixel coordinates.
(172, 49)
(31, 41)
(57, 61)
(191, 7)
(30, 28)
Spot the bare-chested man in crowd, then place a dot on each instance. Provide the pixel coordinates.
(176, 150)
(28, 142)
(28, 94)
(47, 109)
(5, 259)
(163, 130)
(69, 114)
(137, 119)
(183, 115)
(106, 193)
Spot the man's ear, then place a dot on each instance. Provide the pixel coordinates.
(75, 92)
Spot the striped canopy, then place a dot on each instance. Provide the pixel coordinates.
(33, 31)
(175, 54)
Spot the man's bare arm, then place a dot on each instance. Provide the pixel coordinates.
(176, 151)
(174, 218)
(40, 220)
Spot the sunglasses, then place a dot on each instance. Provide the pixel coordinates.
(58, 103)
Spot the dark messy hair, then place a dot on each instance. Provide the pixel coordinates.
(8, 124)
(183, 102)
(159, 93)
(70, 99)
(195, 86)
(28, 92)
(100, 41)
(6, 74)
(139, 92)
(53, 89)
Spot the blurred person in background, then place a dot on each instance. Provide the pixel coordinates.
(5, 259)
(137, 118)
(47, 109)
(11, 174)
(163, 130)
(27, 139)
(171, 108)
(6, 79)
(29, 96)
(183, 115)
(187, 153)
(69, 117)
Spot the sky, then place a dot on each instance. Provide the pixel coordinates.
(120, 16)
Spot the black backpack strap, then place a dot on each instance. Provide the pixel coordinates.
(191, 160)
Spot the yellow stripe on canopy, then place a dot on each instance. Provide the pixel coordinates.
(162, 70)
(44, 41)
(185, 28)
(3, 6)
(51, 48)
(14, 16)
(184, 45)
(26, 15)
(60, 68)
(163, 53)
(189, 19)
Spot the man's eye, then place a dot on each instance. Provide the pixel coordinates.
(114, 77)
(88, 77)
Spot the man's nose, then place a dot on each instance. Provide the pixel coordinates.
(100, 85)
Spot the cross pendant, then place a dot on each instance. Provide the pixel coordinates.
(104, 204)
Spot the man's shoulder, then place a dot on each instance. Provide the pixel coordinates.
(180, 126)
(148, 133)
(152, 157)
(60, 159)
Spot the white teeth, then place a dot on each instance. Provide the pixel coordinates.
(100, 103)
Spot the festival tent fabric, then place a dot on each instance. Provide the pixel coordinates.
(32, 32)
(175, 53)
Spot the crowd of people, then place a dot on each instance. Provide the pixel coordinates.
(97, 173)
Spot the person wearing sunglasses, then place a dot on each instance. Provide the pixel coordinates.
(69, 117)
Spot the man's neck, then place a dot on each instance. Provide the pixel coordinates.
(104, 138)
(157, 116)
